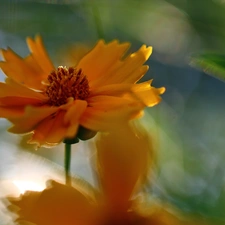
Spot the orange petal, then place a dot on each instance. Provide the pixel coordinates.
(58, 204)
(30, 119)
(57, 127)
(11, 111)
(103, 56)
(12, 88)
(24, 71)
(107, 112)
(123, 158)
(72, 117)
(40, 55)
(50, 131)
(18, 101)
(130, 70)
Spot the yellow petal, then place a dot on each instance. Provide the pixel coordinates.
(103, 56)
(111, 89)
(130, 70)
(12, 88)
(107, 103)
(123, 158)
(98, 120)
(39, 54)
(137, 74)
(30, 119)
(58, 204)
(149, 95)
(107, 112)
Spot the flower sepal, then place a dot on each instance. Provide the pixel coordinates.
(82, 134)
(85, 134)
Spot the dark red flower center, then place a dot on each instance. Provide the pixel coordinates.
(65, 83)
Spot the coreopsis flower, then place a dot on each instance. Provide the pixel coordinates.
(98, 93)
(123, 160)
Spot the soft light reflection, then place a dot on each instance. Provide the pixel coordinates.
(24, 186)
(166, 28)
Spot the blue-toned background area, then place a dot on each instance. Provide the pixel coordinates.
(188, 125)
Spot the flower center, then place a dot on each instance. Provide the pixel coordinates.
(65, 83)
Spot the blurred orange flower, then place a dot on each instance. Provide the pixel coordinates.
(123, 159)
(97, 93)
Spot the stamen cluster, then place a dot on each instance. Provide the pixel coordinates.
(65, 83)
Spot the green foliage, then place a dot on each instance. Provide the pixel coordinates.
(210, 63)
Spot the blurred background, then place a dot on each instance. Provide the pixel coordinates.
(188, 125)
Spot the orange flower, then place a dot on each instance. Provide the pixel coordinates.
(97, 94)
(123, 159)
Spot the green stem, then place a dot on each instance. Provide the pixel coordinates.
(67, 163)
